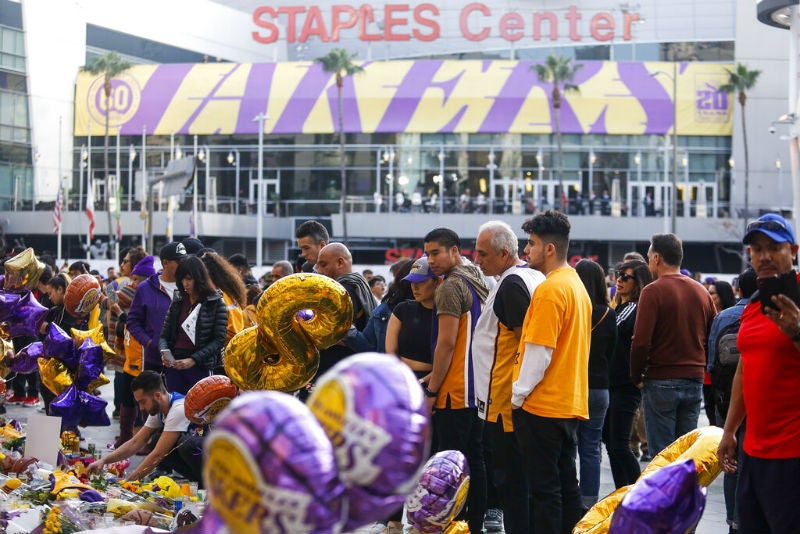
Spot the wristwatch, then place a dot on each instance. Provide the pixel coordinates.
(429, 393)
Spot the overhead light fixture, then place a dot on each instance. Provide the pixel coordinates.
(776, 13)
(231, 158)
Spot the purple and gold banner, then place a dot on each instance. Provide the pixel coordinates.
(405, 96)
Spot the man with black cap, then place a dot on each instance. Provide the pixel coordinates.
(193, 245)
(151, 302)
(766, 384)
(240, 263)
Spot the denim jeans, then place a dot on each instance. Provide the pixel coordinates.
(671, 409)
(589, 435)
(548, 448)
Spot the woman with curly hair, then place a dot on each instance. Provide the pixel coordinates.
(234, 293)
(193, 338)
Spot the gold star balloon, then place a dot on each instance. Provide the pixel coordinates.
(54, 375)
(23, 271)
(96, 335)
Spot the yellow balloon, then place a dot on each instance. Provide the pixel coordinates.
(5, 365)
(54, 375)
(700, 445)
(282, 352)
(96, 335)
(23, 271)
(101, 380)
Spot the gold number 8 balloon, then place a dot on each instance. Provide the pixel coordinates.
(297, 316)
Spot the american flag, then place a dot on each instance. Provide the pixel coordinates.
(90, 208)
(57, 211)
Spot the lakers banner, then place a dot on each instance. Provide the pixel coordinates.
(405, 96)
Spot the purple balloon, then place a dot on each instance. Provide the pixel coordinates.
(667, 500)
(297, 484)
(59, 345)
(27, 317)
(92, 410)
(305, 315)
(8, 301)
(441, 492)
(26, 360)
(90, 358)
(67, 407)
(382, 436)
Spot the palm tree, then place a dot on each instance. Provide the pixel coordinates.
(340, 63)
(109, 65)
(740, 81)
(560, 71)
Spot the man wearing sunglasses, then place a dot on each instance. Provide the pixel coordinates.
(766, 383)
(668, 351)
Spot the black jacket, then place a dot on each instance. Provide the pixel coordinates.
(212, 325)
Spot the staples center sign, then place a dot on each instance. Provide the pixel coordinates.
(422, 22)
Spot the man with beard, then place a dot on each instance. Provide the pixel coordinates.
(178, 447)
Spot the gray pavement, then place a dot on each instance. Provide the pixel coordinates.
(713, 521)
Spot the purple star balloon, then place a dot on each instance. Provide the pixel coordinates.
(665, 501)
(67, 407)
(26, 360)
(27, 317)
(59, 345)
(90, 363)
(8, 301)
(92, 410)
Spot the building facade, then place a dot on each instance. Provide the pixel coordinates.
(448, 122)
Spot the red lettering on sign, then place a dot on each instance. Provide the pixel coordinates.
(390, 21)
(629, 19)
(573, 17)
(508, 24)
(463, 20)
(291, 23)
(366, 15)
(260, 21)
(338, 24)
(430, 23)
(552, 23)
(575, 258)
(602, 22)
(314, 25)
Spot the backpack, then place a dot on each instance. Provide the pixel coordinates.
(725, 364)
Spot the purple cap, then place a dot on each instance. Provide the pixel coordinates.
(686, 272)
(420, 271)
(771, 225)
(145, 267)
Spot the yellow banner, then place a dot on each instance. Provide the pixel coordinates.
(614, 98)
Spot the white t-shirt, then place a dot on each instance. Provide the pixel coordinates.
(175, 422)
(170, 287)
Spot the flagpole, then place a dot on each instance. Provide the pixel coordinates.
(88, 185)
(59, 193)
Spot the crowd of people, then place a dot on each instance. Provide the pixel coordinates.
(528, 363)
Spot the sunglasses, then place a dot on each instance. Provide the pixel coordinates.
(624, 277)
(772, 226)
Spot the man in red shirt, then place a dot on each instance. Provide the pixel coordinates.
(766, 383)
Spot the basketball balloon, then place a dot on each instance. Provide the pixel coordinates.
(207, 398)
(269, 467)
(373, 410)
(82, 294)
(441, 492)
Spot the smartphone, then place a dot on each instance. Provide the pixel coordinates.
(785, 284)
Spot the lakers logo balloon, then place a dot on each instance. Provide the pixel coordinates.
(282, 352)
